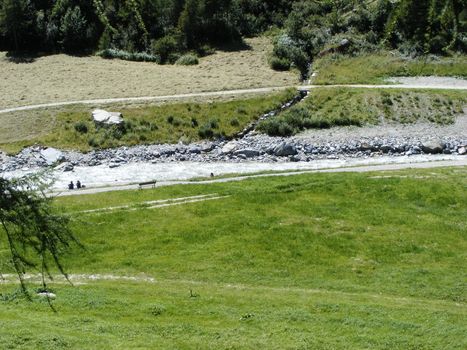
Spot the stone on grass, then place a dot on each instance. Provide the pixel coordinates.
(47, 295)
(107, 118)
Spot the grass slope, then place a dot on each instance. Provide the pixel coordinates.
(72, 128)
(58, 78)
(375, 68)
(323, 261)
(327, 107)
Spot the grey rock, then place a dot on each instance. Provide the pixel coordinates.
(68, 167)
(249, 153)
(52, 155)
(285, 149)
(432, 147)
(386, 148)
(462, 150)
(364, 146)
(195, 150)
(229, 147)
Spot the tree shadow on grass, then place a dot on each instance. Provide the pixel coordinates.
(24, 57)
(240, 45)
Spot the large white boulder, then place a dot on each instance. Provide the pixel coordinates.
(108, 118)
(52, 155)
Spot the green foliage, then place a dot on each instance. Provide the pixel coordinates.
(129, 56)
(81, 127)
(17, 23)
(166, 47)
(187, 60)
(279, 64)
(171, 27)
(35, 233)
(73, 30)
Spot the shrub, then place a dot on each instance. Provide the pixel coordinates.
(165, 46)
(93, 142)
(205, 132)
(194, 122)
(81, 127)
(187, 60)
(234, 122)
(213, 123)
(170, 119)
(280, 64)
(129, 56)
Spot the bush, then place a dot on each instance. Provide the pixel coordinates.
(287, 52)
(81, 127)
(129, 56)
(93, 142)
(165, 46)
(234, 122)
(205, 132)
(213, 123)
(187, 60)
(280, 64)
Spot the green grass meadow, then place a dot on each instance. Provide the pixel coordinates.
(329, 107)
(316, 261)
(374, 68)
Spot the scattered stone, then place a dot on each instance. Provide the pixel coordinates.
(364, 146)
(47, 295)
(229, 147)
(432, 147)
(195, 150)
(249, 153)
(65, 167)
(285, 149)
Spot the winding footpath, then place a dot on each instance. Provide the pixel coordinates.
(406, 83)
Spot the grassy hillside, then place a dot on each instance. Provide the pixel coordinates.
(324, 261)
(375, 68)
(72, 127)
(328, 107)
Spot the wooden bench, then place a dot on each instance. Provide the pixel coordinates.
(147, 183)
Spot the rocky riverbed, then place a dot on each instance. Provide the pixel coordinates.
(340, 143)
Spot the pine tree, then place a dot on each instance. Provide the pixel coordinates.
(17, 21)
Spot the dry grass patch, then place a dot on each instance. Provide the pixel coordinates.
(59, 78)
